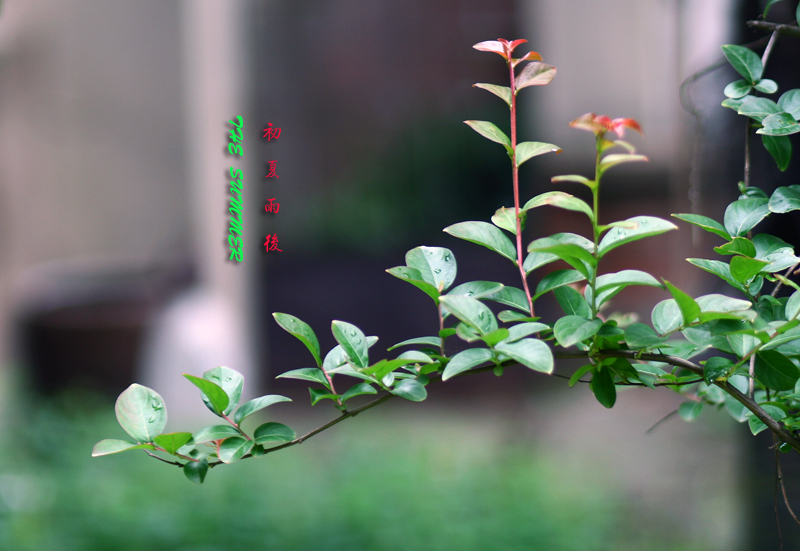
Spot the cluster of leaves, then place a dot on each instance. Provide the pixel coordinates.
(751, 341)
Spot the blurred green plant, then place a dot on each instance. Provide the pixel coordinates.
(751, 340)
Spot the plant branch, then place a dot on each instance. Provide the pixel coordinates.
(784, 30)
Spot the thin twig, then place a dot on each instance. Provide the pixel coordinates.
(162, 459)
(783, 30)
(775, 497)
(667, 416)
(783, 487)
(786, 275)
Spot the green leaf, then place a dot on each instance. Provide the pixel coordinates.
(556, 279)
(790, 103)
(214, 432)
(721, 303)
(625, 278)
(572, 302)
(531, 353)
(273, 432)
(766, 86)
(690, 310)
(520, 330)
(318, 394)
(435, 342)
(509, 316)
(504, 218)
(758, 108)
(196, 470)
(574, 255)
(141, 413)
(230, 381)
(358, 390)
(465, 360)
(776, 371)
(615, 159)
(739, 245)
(743, 269)
(436, 265)
(306, 374)
(715, 368)
(602, 385)
(719, 269)
(484, 234)
(704, 222)
(410, 389)
(302, 331)
(109, 446)
(793, 306)
(646, 226)
(733, 103)
(768, 6)
(472, 312)
(737, 89)
(414, 277)
(476, 289)
(352, 341)
(502, 92)
(538, 259)
(741, 343)
(742, 215)
(510, 296)
(571, 330)
(583, 370)
(574, 178)
(745, 61)
(569, 202)
(256, 404)
(213, 396)
(785, 199)
(234, 448)
(756, 425)
(535, 74)
(666, 316)
(640, 337)
(779, 124)
(688, 411)
(528, 150)
(499, 334)
(172, 441)
(490, 132)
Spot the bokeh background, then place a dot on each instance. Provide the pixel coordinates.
(113, 268)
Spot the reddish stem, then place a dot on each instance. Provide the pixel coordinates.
(515, 171)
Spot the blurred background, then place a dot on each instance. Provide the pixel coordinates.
(114, 268)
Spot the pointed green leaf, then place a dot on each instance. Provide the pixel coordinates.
(742, 344)
(172, 441)
(574, 178)
(733, 103)
(625, 278)
(357, 390)
(109, 446)
(472, 312)
(739, 245)
(213, 396)
(465, 360)
(742, 215)
(504, 218)
(745, 61)
(306, 374)
(758, 108)
(571, 330)
(790, 103)
(302, 331)
(511, 296)
(499, 334)
(785, 199)
(640, 336)
(618, 158)
(502, 92)
(719, 269)
(574, 255)
(572, 302)
(535, 74)
(521, 330)
(273, 432)
(689, 308)
(708, 224)
(531, 353)
(490, 132)
(646, 226)
(435, 342)
(214, 432)
(414, 277)
(776, 371)
(793, 306)
(556, 279)
(688, 411)
(410, 389)
(476, 289)
(538, 259)
(484, 234)
(352, 341)
(602, 385)
(528, 150)
(737, 89)
(256, 404)
(743, 269)
(141, 413)
(436, 265)
(196, 470)
(234, 448)
(231, 382)
(563, 201)
(318, 394)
